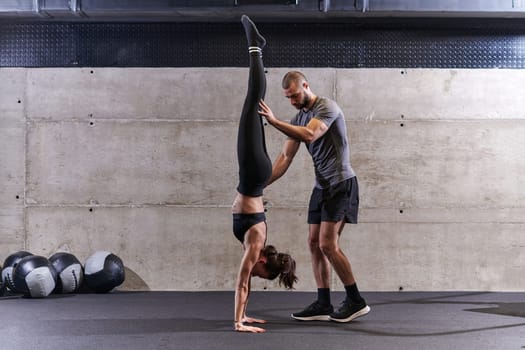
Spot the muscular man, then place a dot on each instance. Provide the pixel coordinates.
(334, 201)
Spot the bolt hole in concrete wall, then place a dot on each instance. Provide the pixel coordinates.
(160, 169)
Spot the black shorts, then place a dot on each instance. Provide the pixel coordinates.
(335, 203)
(243, 222)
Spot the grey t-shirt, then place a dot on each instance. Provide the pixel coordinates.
(331, 152)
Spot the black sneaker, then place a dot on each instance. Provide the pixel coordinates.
(314, 312)
(348, 311)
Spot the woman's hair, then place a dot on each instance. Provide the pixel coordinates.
(280, 264)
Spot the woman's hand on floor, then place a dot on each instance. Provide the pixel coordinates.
(240, 327)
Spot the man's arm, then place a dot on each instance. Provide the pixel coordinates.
(284, 159)
(309, 133)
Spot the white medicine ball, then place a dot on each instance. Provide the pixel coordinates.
(34, 276)
(69, 272)
(103, 271)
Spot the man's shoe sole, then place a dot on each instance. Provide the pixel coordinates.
(359, 313)
(312, 318)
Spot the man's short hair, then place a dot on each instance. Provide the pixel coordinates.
(293, 77)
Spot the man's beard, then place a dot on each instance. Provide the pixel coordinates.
(304, 103)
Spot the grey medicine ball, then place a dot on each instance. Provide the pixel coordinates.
(9, 264)
(69, 272)
(103, 271)
(34, 276)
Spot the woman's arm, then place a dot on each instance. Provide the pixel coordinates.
(253, 245)
(246, 318)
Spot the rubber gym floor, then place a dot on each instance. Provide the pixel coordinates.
(203, 320)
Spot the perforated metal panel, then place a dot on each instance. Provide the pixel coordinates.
(445, 43)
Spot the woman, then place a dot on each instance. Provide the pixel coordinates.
(255, 169)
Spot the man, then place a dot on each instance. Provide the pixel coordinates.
(334, 201)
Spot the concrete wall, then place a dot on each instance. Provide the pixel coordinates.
(141, 162)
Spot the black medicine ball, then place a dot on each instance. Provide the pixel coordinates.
(103, 271)
(69, 272)
(9, 264)
(34, 276)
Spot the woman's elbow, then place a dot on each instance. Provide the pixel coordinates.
(242, 287)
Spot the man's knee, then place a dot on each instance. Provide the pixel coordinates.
(313, 238)
(328, 247)
(328, 237)
(313, 244)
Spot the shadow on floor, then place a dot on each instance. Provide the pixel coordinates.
(361, 325)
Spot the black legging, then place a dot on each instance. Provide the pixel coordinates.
(255, 167)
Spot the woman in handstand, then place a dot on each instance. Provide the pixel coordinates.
(255, 169)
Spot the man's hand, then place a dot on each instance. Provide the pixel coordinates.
(266, 112)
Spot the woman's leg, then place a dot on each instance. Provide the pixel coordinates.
(255, 167)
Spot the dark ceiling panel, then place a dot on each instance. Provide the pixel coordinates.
(392, 43)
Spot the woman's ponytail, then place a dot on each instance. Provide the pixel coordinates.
(282, 265)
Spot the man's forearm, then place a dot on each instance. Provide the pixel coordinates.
(279, 168)
(299, 133)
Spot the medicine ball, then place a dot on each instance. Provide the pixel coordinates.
(9, 264)
(69, 272)
(103, 271)
(34, 276)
